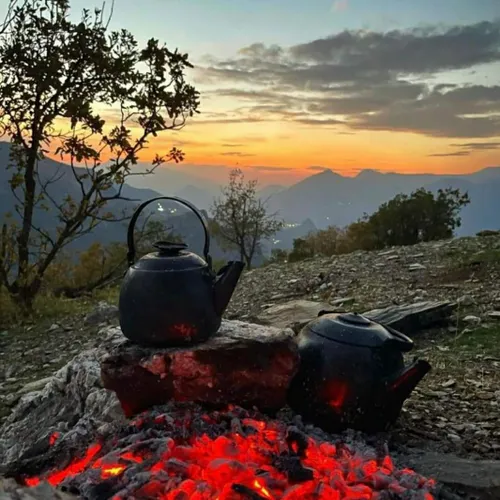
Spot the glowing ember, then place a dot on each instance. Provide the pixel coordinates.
(248, 459)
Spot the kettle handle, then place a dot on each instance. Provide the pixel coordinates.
(140, 208)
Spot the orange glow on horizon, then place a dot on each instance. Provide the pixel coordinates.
(288, 150)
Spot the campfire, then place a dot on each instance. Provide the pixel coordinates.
(180, 452)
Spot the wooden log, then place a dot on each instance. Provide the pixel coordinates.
(413, 318)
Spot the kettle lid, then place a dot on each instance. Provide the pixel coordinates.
(351, 328)
(170, 256)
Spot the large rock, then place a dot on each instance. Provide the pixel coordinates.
(479, 479)
(293, 314)
(72, 405)
(412, 318)
(243, 364)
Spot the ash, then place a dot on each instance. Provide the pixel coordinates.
(181, 451)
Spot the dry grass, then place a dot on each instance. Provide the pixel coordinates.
(50, 308)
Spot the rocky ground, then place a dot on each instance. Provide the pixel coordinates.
(456, 408)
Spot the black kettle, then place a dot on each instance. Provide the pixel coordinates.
(172, 296)
(352, 373)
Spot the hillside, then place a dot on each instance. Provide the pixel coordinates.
(449, 269)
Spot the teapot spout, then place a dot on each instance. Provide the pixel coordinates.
(225, 283)
(401, 386)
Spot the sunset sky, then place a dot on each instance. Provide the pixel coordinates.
(394, 85)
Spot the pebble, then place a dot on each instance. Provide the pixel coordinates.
(454, 438)
(472, 320)
(494, 315)
(416, 267)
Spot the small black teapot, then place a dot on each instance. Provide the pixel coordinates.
(352, 373)
(172, 296)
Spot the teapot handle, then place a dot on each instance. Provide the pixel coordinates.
(140, 208)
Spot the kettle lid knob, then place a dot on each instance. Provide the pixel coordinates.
(166, 248)
(354, 319)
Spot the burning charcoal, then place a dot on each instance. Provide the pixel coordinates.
(177, 467)
(293, 468)
(264, 477)
(387, 495)
(296, 440)
(247, 492)
(378, 481)
(104, 489)
(237, 454)
(236, 426)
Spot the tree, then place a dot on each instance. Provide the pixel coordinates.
(239, 217)
(410, 219)
(55, 75)
(302, 249)
(278, 256)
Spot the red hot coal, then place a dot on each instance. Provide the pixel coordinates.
(186, 454)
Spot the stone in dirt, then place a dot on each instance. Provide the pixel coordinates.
(103, 313)
(243, 364)
(293, 314)
(494, 315)
(36, 385)
(479, 479)
(412, 318)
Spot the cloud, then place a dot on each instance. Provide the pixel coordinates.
(232, 145)
(467, 148)
(238, 154)
(478, 146)
(456, 153)
(340, 5)
(369, 80)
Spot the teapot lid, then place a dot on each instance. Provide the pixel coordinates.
(171, 256)
(351, 328)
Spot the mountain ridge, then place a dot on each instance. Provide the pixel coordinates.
(319, 200)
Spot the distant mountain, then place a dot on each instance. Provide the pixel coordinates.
(267, 192)
(183, 221)
(67, 185)
(323, 199)
(170, 182)
(201, 198)
(328, 198)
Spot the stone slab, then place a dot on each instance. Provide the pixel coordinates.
(243, 364)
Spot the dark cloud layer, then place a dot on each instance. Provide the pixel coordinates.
(467, 148)
(371, 81)
(238, 154)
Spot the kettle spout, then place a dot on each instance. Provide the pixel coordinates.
(403, 384)
(225, 283)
